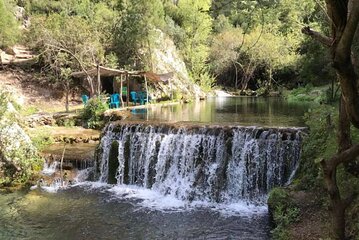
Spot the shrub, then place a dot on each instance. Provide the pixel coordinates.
(93, 112)
(319, 143)
(283, 212)
(41, 138)
(307, 94)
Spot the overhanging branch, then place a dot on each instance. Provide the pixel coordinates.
(345, 156)
(72, 54)
(327, 41)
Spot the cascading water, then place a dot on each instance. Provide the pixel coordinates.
(49, 168)
(199, 163)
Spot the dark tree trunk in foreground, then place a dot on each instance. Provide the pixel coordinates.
(344, 16)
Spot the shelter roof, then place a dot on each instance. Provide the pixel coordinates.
(111, 72)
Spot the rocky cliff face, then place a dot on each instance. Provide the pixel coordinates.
(166, 59)
(19, 159)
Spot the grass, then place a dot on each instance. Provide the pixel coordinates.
(309, 93)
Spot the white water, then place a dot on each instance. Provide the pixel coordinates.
(49, 168)
(55, 184)
(229, 169)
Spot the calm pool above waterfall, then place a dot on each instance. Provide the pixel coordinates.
(187, 181)
(248, 111)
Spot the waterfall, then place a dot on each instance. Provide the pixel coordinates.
(49, 168)
(200, 163)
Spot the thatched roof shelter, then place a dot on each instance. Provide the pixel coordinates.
(101, 71)
(111, 72)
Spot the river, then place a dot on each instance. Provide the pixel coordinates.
(96, 210)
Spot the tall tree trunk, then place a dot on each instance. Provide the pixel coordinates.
(270, 79)
(67, 99)
(338, 205)
(98, 92)
(344, 20)
(236, 80)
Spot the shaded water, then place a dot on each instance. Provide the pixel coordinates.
(249, 111)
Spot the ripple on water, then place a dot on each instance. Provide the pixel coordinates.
(107, 212)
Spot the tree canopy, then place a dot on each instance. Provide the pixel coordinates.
(265, 35)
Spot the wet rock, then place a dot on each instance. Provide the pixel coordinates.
(40, 119)
(18, 156)
(116, 115)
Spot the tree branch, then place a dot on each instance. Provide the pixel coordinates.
(345, 43)
(327, 41)
(72, 54)
(345, 156)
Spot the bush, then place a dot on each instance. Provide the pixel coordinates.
(309, 94)
(93, 112)
(319, 143)
(9, 30)
(41, 138)
(283, 212)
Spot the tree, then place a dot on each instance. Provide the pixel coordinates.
(137, 22)
(192, 25)
(9, 29)
(261, 50)
(343, 18)
(65, 44)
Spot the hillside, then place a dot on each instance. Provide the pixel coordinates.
(31, 91)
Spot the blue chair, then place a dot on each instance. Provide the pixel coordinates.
(134, 97)
(85, 99)
(115, 100)
(143, 97)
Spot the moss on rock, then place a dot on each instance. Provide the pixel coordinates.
(19, 159)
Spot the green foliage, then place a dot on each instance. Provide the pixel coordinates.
(189, 24)
(206, 81)
(9, 28)
(315, 64)
(41, 139)
(266, 38)
(321, 95)
(19, 160)
(197, 24)
(93, 112)
(66, 122)
(28, 110)
(319, 144)
(261, 51)
(353, 215)
(138, 20)
(283, 211)
(3, 103)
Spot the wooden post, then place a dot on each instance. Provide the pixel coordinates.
(61, 163)
(146, 89)
(90, 82)
(121, 97)
(170, 83)
(128, 89)
(146, 97)
(98, 80)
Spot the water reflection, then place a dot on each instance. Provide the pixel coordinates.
(238, 110)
